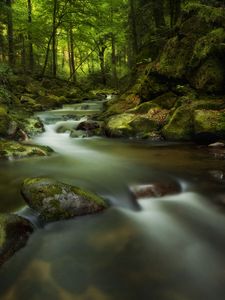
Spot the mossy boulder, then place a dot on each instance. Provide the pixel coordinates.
(180, 125)
(119, 125)
(136, 125)
(209, 125)
(10, 150)
(55, 200)
(166, 101)
(14, 232)
(210, 77)
(196, 51)
(51, 101)
(122, 104)
(143, 108)
(4, 121)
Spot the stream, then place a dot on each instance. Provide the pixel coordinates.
(170, 249)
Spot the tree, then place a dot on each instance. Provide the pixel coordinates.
(11, 57)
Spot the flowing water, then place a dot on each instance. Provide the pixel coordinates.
(169, 248)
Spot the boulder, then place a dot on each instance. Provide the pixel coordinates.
(91, 128)
(78, 134)
(209, 125)
(180, 125)
(55, 200)
(10, 150)
(119, 125)
(51, 101)
(155, 189)
(14, 233)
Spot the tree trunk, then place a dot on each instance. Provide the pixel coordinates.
(101, 54)
(114, 70)
(72, 57)
(54, 46)
(23, 53)
(133, 30)
(11, 55)
(175, 10)
(31, 52)
(158, 11)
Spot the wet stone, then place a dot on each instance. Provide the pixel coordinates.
(14, 233)
(155, 189)
(56, 201)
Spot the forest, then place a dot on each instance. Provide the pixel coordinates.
(112, 149)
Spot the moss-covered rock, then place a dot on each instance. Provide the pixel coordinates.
(14, 232)
(210, 77)
(13, 150)
(209, 125)
(4, 121)
(55, 200)
(180, 125)
(124, 103)
(119, 125)
(196, 51)
(166, 101)
(143, 108)
(51, 101)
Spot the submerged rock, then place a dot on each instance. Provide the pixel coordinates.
(55, 200)
(13, 150)
(14, 232)
(217, 145)
(155, 189)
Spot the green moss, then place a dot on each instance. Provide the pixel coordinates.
(176, 56)
(209, 13)
(90, 196)
(4, 121)
(210, 77)
(180, 126)
(210, 44)
(119, 125)
(143, 108)
(13, 150)
(210, 121)
(55, 200)
(166, 101)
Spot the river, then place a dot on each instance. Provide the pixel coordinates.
(169, 248)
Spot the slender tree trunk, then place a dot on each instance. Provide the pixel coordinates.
(175, 11)
(11, 55)
(72, 55)
(102, 49)
(23, 53)
(31, 52)
(54, 46)
(69, 54)
(133, 30)
(158, 11)
(114, 70)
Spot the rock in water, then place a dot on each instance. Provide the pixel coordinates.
(155, 189)
(14, 232)
(217, 145)
(56, 201)
(10, 150)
